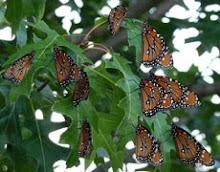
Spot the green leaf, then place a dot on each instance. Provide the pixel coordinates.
(9, 127)
(162, 131)
(21, 34)
(134, 37)
(13, 160)
(34, 8)
(14, 13)
(3, 21)
(2, 101)
(45, 151)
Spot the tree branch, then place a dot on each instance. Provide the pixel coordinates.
(138, 9)
(203, 90)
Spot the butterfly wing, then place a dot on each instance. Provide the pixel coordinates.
(172, 88)
(166, 102)
(205, 157)
(76, 74)
(17, 71)
(179, 94)
(82, 89)
(150, 96)
(190, 99)
(65, 66)
(188, 149)
(85, 144)
(116, 17)
(154, 50)
(157, 157)
(147, 149)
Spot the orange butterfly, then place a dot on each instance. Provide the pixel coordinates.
(116, 17)
(66, 68)
(85, 143)
(147, 149)
(151, 96)
(17, 71)
(188, 149)
(154, 50)
(82, 89)
(175, 93)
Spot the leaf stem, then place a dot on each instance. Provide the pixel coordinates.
(47, 81)
(95, 27)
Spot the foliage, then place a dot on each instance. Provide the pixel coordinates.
(113, 106)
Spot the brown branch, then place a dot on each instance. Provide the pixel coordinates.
(135, 11)
(138, 9)
(203, 90)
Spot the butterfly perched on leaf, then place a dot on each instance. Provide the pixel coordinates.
(151, 95)
(188, 149)
(85, 143)
(147, 149)
(159, 93)
(66, 68)
(116, 17)
(18, 70)
(82, 89)
(154, 50)
(179, 95)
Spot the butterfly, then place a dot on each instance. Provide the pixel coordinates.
(151, 95)
(116, 17)
(17, 70)
(175, 93)
(85, 143)
(147, 149)
(188, 149)
(82, 89)
(154, 50)
(66, 68)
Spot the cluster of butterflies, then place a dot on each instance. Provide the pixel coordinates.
(66, 69)
(159, 93)
(188, 149)
(147, 148)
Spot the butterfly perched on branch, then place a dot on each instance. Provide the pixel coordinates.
(116, 17)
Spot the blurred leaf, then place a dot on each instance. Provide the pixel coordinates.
(134, 37)
(34, 8)
(14, 13)
(45, 151)
(9, 127)
(13, 160)
(2, 101)
(21, 35)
